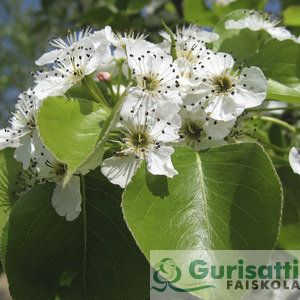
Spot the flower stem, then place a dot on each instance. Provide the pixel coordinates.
(277, 121)
(92, 87)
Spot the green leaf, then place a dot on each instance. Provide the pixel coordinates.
(279, 91)
(71, 129)
(289, 237)
(224, 198)
(280, 64)
(291, 16)
(9, 171)
(96, 155)
(94, 257)
(241, 42)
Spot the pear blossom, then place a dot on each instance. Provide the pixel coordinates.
(145, 138)
(184, 34)
(119, 58)
(63, 46)
(23, 125)
(117, 39)
(259, 21)
(225, 94)
(66, 201)
(82, 60)
(294, 159)
(199, 131)
(155, 74)
(189, 54)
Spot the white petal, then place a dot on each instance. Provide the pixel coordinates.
(102, 55)
(49, 57)
(216, 65)
(165, 122)
(52, 86)
(67, 201)
(232, 24)
(294, 159)
(99, 38)
(23, 152)
(119, 170)
(150, 59)
(280, 33)
(219, 129)
(6, 139)
(221, 107)
(159, 161)
(255, 90)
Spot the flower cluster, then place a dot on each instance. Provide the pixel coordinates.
(182, 93)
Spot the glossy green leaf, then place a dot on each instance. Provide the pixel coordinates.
(93, 257)
(289, 237)
(224, 198)
(280, 63)
(9, 171)
(71, 129)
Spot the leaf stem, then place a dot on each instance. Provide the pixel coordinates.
(276, 121)
(92, 87)
(275, 108)
(274, 147)
(83, 195)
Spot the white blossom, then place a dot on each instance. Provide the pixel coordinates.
(189, 54)
(23, 124)
(82, 60)
(199, 131)
(156, 76)
(294, 159)
(66, 201)
(184, 34)
(63, 46)
(119, 41)
(259, 21)
(223, 93)
(145, 138)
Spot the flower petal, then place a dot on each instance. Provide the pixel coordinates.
(23, 152)
(49, 57)
(67, 201)
(294, 159)
(159, 161)
(120, 169)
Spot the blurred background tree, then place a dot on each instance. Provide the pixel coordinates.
(27, 25)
